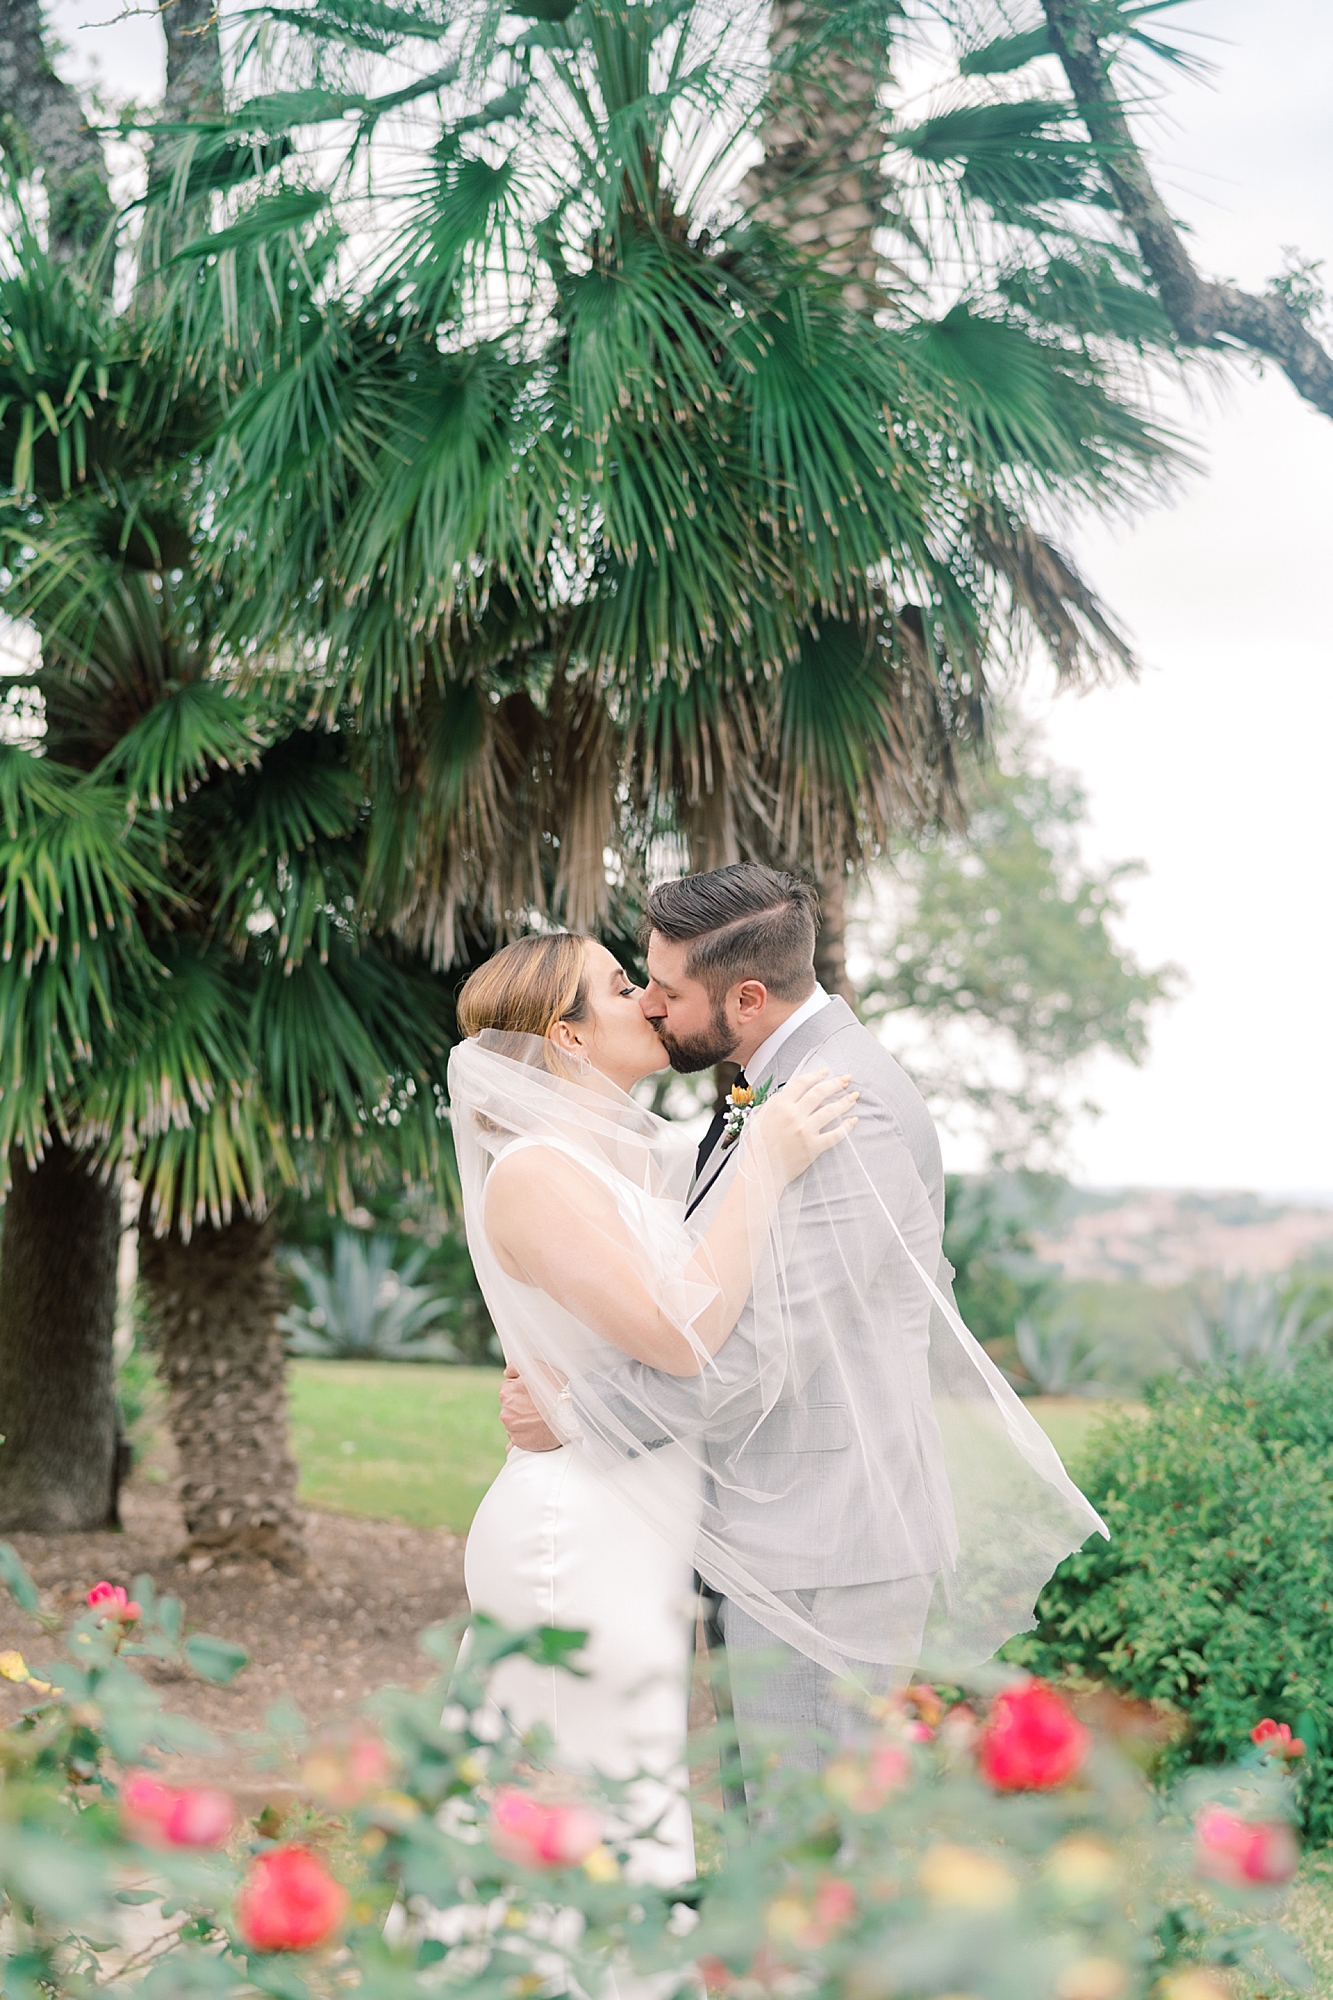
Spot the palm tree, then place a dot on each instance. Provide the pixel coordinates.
(193, 996)
(612, 511)
(990, 211)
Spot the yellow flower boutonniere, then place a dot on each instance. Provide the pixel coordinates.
(743, 1100)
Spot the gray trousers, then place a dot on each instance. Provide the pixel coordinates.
(790, 1712)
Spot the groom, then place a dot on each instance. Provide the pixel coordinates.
(731, 978)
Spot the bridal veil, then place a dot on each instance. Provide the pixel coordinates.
(848, 1432)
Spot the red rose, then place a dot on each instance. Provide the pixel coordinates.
(113, 1601)
(538, 1836)
(1276, 1739)
(1243, 1852)
(174, 1816)
(1031, 1742)
(289, 1901)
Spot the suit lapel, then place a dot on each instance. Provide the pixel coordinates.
(787, 1063)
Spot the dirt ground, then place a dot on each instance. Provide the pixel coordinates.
(324, 1639)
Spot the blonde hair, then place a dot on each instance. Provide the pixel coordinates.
(527, 987)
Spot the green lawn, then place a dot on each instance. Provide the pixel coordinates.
(398, 1440)
(405, 1441)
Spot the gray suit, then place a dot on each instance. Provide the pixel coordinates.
(840, 1488)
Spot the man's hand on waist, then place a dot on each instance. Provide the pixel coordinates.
(527, 1427)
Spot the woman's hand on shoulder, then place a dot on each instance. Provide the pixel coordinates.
(801, 1121)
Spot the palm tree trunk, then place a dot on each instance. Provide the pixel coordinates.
(821, 182)
(216, 1301)
(61, 1459)
(831, 943)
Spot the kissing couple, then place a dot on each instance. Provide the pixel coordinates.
(745, 1362)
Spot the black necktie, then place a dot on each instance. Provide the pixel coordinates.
(714, 1132)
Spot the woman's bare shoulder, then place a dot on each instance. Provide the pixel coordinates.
(528, 1170)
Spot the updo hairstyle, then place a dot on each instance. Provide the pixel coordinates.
(527, 987)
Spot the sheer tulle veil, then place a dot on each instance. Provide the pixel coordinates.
(954, 1497)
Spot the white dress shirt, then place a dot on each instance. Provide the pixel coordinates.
(764, 1055)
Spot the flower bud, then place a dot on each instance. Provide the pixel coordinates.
(113, 1601)
(1276, 1740)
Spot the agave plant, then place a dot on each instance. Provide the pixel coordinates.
(360, 1303)
(1250, 1323)
(1060, 1357)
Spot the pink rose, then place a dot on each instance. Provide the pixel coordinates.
(1031, 1742)
(834, 1905)
(539, 1836)
(1244, 1853)
(174, 1816)
(113, 1601)
(289, 1901)
(1276, 1740)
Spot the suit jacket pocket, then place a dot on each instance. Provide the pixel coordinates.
(796, 1427)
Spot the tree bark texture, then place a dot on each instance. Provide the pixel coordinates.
(216, 1301)
(1202, 312)
(61, 1459)
(821, 182)
(42, 124)
(831, 943)
(194, 61)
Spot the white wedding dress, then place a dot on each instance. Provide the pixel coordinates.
(555, 1542)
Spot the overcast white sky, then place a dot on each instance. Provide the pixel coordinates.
(1215, 768)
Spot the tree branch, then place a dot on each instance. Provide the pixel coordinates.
(42, 124)
(1202, 311)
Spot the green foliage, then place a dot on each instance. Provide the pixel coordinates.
(998, 1277)
(612, 483)
(1215, 1591)
(424, 1226)
(1252, 1323)
(923, 1882)
(1060, 1357)
(188, 981)
(361, 1303)
(1000, 948)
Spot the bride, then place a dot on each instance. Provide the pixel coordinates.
(574, 1201)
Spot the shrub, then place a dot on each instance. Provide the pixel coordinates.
(1215, 1592)
(361, 1304)
(941, 1851)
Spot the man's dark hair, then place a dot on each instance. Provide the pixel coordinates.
(742, 922)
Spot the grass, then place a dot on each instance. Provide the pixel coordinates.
(407, 1441)
(396, 1440)
(1067, 1420)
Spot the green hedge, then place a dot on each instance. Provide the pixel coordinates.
(1215, 1592)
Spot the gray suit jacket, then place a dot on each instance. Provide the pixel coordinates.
(842, 1482)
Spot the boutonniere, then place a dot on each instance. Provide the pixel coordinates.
(743, 1100)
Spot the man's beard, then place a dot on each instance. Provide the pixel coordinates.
(691, 1053)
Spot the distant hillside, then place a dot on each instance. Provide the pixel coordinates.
(1163, 1237)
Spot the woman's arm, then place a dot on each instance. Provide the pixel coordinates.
(558, 1228)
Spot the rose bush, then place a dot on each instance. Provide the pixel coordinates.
(992, 1849)
(1214, 1593)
